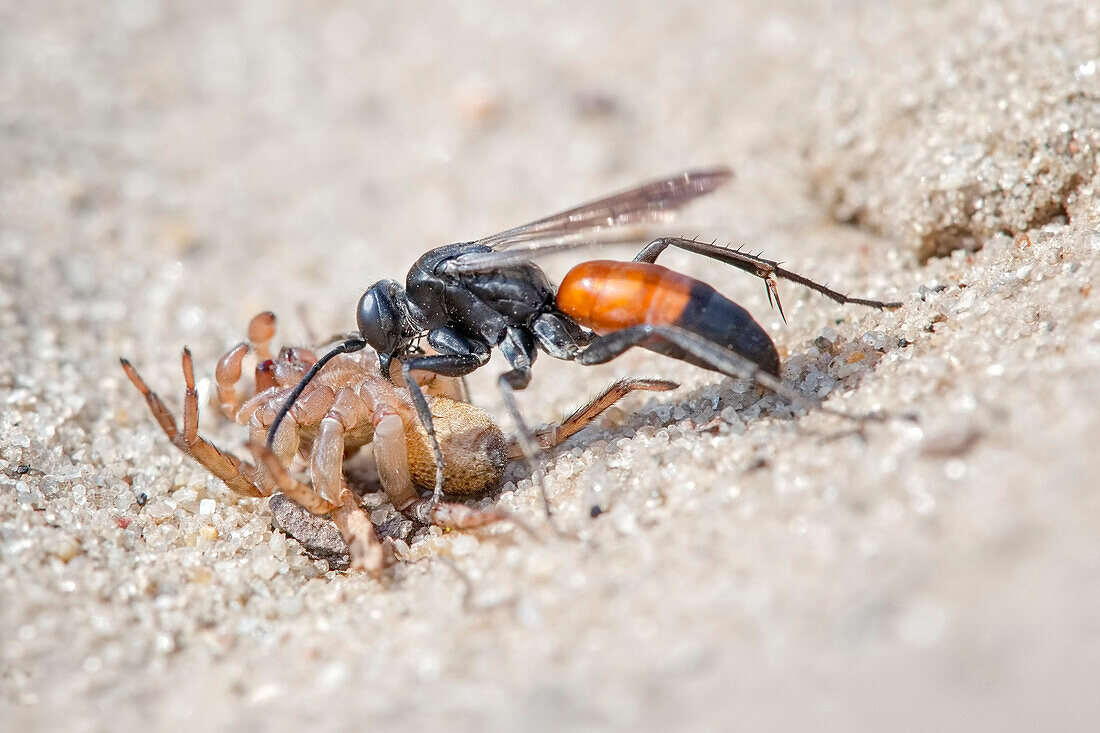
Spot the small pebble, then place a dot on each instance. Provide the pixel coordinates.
(66, 548)
(318, 536)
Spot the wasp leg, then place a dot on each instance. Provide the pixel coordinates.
(239, 476)
(555, 435)
(433, 385)
(448, 365)
(519, 349)
(451, 515)
(765, 269)
(559, 335)
(718, 358)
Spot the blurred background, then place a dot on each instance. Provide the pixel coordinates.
(271, 152)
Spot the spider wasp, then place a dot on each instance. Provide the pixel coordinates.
(471, 297)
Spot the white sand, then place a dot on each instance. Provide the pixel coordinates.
(169, 169)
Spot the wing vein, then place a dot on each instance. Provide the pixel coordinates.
(614, 219)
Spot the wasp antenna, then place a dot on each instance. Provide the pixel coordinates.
(347, 347)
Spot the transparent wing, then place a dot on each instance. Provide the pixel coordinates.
(614, 219)
(652, 202)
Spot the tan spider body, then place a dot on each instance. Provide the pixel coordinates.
(347, 406)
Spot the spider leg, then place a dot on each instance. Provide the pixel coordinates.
(300, 492)
(326, 459)
(239, 476)
(392, 459)
(451, 387)
(309, 410)
(364, 549)
(226, 376)
(261, 329)
(329, 492)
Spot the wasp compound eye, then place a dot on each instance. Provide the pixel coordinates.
(379, 319)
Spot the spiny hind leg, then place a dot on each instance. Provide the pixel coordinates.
(715, 357)
(718, 358)
(765, 269)
(236, 474)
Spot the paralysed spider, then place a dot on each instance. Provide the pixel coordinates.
(348, 406)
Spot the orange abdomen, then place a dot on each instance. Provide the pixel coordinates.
(605, 295)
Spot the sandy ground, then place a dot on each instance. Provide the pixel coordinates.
(169, 169)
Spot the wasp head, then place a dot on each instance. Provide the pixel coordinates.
(384, 322)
